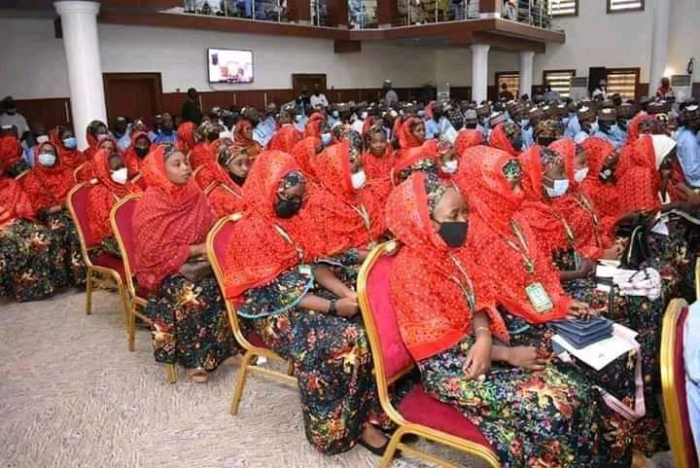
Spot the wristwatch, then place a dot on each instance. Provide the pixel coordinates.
(331, 307)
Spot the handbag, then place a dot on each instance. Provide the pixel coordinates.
(635, 227)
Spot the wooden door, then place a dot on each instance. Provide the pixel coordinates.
(132, 95)
(299, 80)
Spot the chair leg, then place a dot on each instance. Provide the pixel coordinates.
(391, 449)
(240, 382)
(88, 292)
(125, 302)
(290, 369)
(131, 326)
(171, 373)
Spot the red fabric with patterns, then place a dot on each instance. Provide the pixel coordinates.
(379, 167)
(468, 138)
(407, 139)
(313, 126)
(48, 186)
(201, 155)
(131, 159)
(640, 184)
(185, 137)
(70, 157)
(304, 154)
(499, 140)
(14, 202)
(604, 195)
(10, 150)
(285, 138)
(168, 220)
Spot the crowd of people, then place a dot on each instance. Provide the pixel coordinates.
(502, 210)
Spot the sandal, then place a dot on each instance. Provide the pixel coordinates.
(198, 375)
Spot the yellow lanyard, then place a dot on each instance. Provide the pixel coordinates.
(521, 247)
(587, 206)
(468, 288)
(288, 239)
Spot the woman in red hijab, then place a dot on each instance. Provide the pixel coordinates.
(507, 137)
(138, 149)
(11, 153)
(411, 135)
(202, 153)
(47, 186)
(185, 137)
(305, 152)
(286, 136)
(96, 131)
(468, 138)
(225, 193)
(267, 270)
(601, 183)
(379, 157)
(171, 223)
(243, 138)
(112, 185)
(447, 315)
(314, 126)
(67, 145)
(31, 257)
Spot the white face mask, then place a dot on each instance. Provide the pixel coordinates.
(363, 115)
(42, 139)
(358, 180)
(559, 189)
(581, 174)
(120, 176)
(47, 159)
(326, 138)
(450, 167)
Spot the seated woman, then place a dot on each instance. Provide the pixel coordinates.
(601, 182)
(267, 271)
(11, 152)
(69, 153)
(171, 223)
(305, 152)
(446, 315)
(287, 135)
(138, 149)
(185, 137)
(225, 193)
(379, 157)
(243, 138)
(112, 185)
(410, 134)
(468, 138)
(87, 171)
(423, 158)
(316, 125)
(47, 186)
(31, 257)
(96, 131)
(507, 137)
(206, 134)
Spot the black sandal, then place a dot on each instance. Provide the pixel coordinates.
(378, 451)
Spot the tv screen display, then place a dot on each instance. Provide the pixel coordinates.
(230, 66)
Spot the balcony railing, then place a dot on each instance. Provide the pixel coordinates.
(261, 10)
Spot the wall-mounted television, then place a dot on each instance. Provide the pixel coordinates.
(230, 66)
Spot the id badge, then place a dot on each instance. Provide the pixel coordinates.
(539, 298)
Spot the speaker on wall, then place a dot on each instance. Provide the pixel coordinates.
(595, 74)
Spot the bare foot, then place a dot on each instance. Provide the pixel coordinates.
(198, 375)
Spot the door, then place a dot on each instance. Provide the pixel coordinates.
(299, 80)
(132, 95)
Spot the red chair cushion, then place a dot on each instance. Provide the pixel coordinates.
(123, 217)
(394, 352)
(254, 339)
(111, 262)
(419, 408)
(79, 200)
(681, 395)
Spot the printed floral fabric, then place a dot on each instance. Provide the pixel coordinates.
(72, 271)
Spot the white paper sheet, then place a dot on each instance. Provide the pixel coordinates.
(600, 354)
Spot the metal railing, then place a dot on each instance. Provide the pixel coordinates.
(261, 10)
(362, 14)
(435, 11)
(319, 12)
(533, 12)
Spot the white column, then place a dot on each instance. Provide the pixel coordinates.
(659, 43)
(480, 72)
(527, 60)
(82, 44)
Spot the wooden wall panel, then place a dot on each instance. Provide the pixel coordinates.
(49, 112)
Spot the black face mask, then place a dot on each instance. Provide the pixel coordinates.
(141, 152)
(517, 144)
(238, 180)
(285, 209)
(454, 233)
(545, 141)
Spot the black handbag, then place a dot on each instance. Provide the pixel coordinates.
(635, 227)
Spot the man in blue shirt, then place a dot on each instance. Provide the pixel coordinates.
(164, 133)
(264, 131)
(688, 145)
(608, 128)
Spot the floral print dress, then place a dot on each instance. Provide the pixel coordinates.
(31, 261)
(190, 326)
(62, 226)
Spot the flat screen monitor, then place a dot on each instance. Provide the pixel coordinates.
(230, 66)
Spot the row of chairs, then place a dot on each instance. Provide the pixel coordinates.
(417, 413)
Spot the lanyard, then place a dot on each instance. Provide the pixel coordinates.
(587, 206)
(288, 239)
(521, 247)
(468, 288)
(364, 214)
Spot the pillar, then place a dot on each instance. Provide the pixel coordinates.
(527, 60)
(480, 72)
(659, 44)
(299, 11)
(82, 45)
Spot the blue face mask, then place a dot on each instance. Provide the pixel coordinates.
(336, 114)
(560, 188)
(326, 138)
(421, 113)
(524, 123)
(70, 143)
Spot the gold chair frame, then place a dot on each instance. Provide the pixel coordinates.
(251, 352)
(92, 269)
(404, 426)
(136, 303)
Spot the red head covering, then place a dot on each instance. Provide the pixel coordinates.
(353, 208)
(104, 195)
(168, 219)
(499, 140)
(48, 186)
(633, 127)
(414, 156)
(71, 157)
(406, 138)
(132, 160)
(285, 139)
(604, 195)
(185, 137)
(501, 246)
(313, 126)
(468, 139)
(304, 154)
(14, 202)
(202, 154)
(379, 167)
(428, 281)
(239, 132)
(639, 185)
(10, 150)
(92, 144)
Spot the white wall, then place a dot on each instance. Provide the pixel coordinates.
(684, 40)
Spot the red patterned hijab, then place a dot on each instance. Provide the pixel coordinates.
(604, 195)
(72, 158)
(168, 219)
(10, 150)
(48, 186)
(104, 195)
(285, 139)
(379, 167)
(499, 140)
(239, 134)
(304, 153)
(14, 202)
(641, 182)
(185, 137)
(468, 138)
(313, 126)
(131, 159)
(434, 293)
(406, 138)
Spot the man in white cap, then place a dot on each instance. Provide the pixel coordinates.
(390, 98)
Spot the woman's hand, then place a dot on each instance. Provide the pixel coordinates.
(526, 357)
(198, 250)
(587, 267)
(55, 209)
(479, 357)
(581, 310)
(347, 307)
(614, 252)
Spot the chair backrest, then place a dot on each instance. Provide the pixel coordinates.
(673, 386)
(217, 242)
(121, 219)
(391, 357)
(77, 201)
